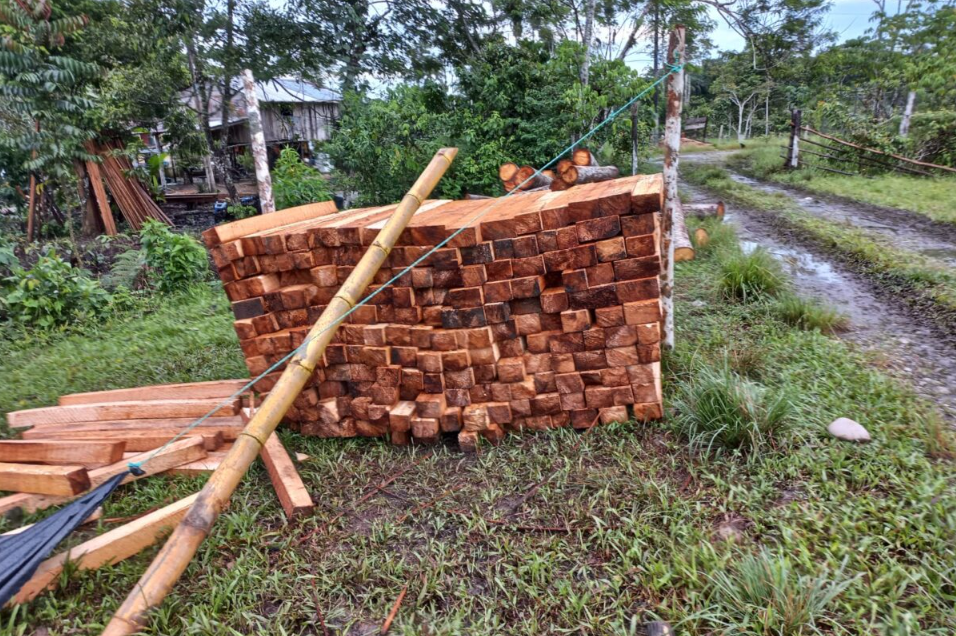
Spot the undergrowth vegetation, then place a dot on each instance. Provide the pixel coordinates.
(807, 313)
(750, 276)
(555, 532)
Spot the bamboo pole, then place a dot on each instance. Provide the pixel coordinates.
(172, 560)
(259, 156)
(675, 90)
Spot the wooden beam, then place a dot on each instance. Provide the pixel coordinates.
(109, 547)
(217, 389)
(120, 410)
(87, 454)
(177, 453)
(44, 480)
(292, 493)
(202, 466)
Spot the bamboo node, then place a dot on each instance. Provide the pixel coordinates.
(384, 248)
(345, 300)
(261, 443)
(414, 196)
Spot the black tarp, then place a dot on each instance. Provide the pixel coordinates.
(22, 553)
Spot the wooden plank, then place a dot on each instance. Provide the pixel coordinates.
(88, 454)
(176, 454)
(183, 391)
(99, 195)
(202, 466)
(109, 547)
(293, 496)
(44, 480)
(245, 227)
(135, 441)
(121, 410)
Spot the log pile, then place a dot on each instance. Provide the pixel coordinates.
(127, 192)
(582, 167)
(65, 450)
(542, 312)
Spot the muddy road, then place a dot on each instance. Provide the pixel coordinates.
(898, 339)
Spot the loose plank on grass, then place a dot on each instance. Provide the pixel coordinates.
(44, 480)
(285, 479)
(183, 391)
(121, 411)
(88, 454)
(177, 453)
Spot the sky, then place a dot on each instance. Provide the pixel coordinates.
(847, 18)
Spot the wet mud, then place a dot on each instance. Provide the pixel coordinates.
(897, 338)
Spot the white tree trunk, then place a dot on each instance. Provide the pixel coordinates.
(259, 154)
(907, 114)
(588, 36)
(675, 90)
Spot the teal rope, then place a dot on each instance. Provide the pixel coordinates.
(470, 223)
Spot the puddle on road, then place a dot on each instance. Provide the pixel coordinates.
(903, 344)
(903, 229)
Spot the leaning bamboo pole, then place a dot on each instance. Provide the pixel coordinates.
(172, 560)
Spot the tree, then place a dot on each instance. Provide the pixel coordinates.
(44, 96)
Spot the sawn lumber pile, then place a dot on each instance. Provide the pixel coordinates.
(65, 450)
(132, 199)
(543, 313)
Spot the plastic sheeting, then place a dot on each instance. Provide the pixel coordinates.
(22, 553)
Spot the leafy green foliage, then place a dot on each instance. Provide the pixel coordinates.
(42, 93)
(175, 261)
(242, 211)
(719, 408)
(751, 276)
(516, 103)
(295, 183)
(128, 270)
(51, 294)
(765, 595)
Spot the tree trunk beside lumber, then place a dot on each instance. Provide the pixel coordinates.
(259, 155)
(675, 90)
(583, 157)
(683, 248)
(526, 179)
(575, 175)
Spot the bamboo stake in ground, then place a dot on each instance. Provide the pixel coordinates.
(263, 178)
(675, 90)
(172, 560)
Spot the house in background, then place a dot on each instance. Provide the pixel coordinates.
(295, 113)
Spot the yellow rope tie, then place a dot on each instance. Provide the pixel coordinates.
(308, 367)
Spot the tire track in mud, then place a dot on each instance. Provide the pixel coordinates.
(902, 341)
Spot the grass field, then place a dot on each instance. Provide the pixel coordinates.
(931, 197)
(557, 532)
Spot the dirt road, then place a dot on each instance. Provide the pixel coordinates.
(904, 343)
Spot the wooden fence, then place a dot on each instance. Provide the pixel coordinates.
(850, 157)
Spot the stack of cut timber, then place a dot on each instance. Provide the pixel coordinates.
(543, 313)
(128, 193)
(64, 450)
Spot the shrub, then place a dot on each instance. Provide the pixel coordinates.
(808, 314)
(128, 270)
(242, 211)
(294, 183)
(719, 407)
(766, 596)
(50, 294)
(750, 276)
(175, 260)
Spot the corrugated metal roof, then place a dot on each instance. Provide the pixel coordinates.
(288, 89)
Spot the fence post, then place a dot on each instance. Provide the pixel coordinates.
(793, 149)
(675, 91)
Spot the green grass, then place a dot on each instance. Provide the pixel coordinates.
(559, 533)
(932, 197)
(807, 313)
(177, 338)
(922, 281)
(718, 408)
(751, 276)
